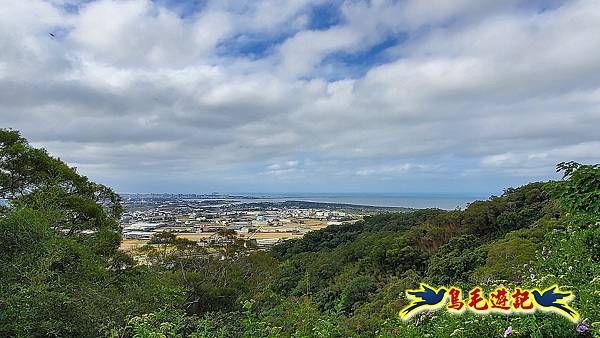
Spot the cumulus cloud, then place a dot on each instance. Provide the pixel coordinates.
(269, 95)
(138, 33)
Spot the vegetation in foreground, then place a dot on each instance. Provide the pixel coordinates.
(62, 274)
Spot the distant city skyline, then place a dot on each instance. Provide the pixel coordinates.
(308, 96)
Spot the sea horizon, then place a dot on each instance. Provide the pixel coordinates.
(442, 200)
(408, 200)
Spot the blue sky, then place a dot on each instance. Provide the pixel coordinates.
(465, 96)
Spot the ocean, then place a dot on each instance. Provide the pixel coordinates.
(414, 200)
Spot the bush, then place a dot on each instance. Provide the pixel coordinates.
(357, 292)
(456, 260)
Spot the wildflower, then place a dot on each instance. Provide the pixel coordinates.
(418, 321)
(532, 277)
(508, 331)
(582, 327)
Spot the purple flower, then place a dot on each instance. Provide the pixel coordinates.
(582, 328)
(532, 277)
(508, 331)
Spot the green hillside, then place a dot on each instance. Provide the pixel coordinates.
(62, 275)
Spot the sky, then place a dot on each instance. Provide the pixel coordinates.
(463, 96)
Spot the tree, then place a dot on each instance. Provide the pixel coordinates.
(455, 260)
(357, 291)
(55, 278)
(579, 191)
(29, 177)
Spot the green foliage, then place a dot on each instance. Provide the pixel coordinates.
(56, 279)
(357, 291)
(154, 325)
(29, 177)
(579, 191)
(507, 259)
(63, 275)
(591, 241)
(515, 209)
(335, 236)
(456, 260)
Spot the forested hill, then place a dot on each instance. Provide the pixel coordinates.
(62, 274)
(428, 229)
(362, 268)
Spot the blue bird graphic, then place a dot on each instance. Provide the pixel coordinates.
(426, 296)
(553, 300)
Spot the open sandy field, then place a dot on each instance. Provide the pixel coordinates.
(132, 244)
(258, 235)
(267, 235)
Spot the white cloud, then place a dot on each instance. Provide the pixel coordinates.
(306, 49)
(283, 168)
(140, 33)
(472, 86)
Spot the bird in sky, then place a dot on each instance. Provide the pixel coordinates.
(52, 35)
(552, 299)
(426, 297)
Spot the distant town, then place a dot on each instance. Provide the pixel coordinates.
(263, 221)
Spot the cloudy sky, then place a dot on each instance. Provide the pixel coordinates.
(305, 96)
